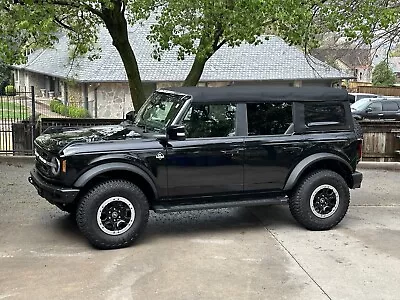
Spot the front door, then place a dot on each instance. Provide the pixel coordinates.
(210, 160)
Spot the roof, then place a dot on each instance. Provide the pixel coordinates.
(350, 57)
(271, 60)
(261, 93)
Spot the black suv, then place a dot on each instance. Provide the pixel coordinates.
(376, 108)
(200, 148)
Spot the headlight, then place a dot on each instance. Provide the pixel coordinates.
(55, 166)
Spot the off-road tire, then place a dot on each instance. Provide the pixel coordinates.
(358, 129)
(89, 206)
(300, 200)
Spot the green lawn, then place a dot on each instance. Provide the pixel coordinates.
(12, 110)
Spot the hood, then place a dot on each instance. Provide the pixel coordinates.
(60, 138)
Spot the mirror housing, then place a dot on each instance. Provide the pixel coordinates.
(176, 132)
(130, 116)
(369, 109)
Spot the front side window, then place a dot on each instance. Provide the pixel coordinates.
(269, 118)
(159, 111)
(375, 107)
(324, 114)
(210, 120)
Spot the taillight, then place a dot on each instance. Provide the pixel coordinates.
(359, 149)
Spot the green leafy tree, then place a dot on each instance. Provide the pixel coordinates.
(383, 75)
(28, 24)
(196, 27)
(201, 27)
(4, 72)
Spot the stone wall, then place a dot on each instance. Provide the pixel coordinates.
(113, 99)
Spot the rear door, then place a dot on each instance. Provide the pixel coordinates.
(271, 149)
(390, 110)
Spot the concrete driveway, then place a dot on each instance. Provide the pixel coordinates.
(243, 253)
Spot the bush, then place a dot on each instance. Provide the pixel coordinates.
(10, 90)
(67, 110)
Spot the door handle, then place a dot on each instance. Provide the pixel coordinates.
(380, 115)
(230, 152)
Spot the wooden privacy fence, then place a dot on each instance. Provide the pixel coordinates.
(381, 141)
(379, 90)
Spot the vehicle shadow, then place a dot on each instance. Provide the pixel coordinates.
(194, 223)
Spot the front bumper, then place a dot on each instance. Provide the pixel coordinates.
(52, 193)
(357, 178)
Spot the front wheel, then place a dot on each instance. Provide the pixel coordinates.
(113, 214)
(320, 201)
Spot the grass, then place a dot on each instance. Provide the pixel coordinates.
(12, 110)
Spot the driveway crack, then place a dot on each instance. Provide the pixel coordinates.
(292, 256)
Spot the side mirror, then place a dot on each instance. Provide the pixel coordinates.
(130, 116)
(369, 109)
(176, 132)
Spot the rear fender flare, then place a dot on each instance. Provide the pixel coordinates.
(298, 171)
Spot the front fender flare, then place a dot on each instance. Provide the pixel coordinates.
(116, 166)
(308, 161)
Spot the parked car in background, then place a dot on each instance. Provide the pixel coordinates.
(359, 96)
(376, 108)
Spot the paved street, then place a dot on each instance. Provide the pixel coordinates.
(241, 253)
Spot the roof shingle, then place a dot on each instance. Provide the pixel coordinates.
(271, 60)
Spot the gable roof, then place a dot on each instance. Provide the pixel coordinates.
(350, 57)
(272, 60)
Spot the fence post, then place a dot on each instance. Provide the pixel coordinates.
(33, 118)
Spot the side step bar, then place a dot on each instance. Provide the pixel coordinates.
(175, 206)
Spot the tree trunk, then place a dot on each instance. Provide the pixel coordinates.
(117, 27)
(194, 75)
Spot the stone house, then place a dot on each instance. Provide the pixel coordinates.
(354, 62)
(101, 84)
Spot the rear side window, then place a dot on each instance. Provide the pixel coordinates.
(268, 118)
(390, 106)
(324, 114)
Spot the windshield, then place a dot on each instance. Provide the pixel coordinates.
(159, 111)
(361, 104)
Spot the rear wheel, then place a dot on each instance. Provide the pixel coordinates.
(320, 201)
(113, 214)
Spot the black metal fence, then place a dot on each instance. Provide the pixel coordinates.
(17, 122)
(23, 117)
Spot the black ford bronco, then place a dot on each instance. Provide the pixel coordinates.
(199, 148)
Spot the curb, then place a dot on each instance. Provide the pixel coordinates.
(379, 165)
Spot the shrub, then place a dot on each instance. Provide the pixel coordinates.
(10, 90)
(68, 110)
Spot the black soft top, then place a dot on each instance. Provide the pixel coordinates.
(261, 94)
